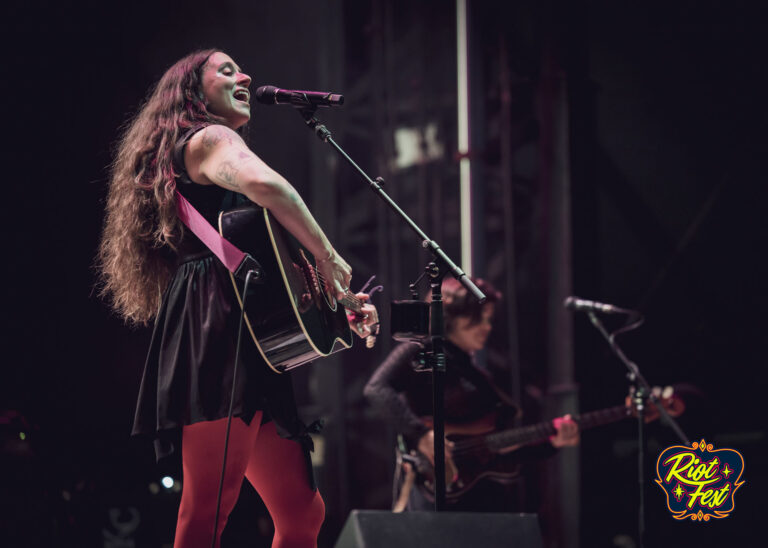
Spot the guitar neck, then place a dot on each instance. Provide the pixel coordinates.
(351, 302)
(536, 433)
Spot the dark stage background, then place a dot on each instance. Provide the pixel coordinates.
(652, 114)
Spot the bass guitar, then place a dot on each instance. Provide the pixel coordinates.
(481, 451)
(291, 317)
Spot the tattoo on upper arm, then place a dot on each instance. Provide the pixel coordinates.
(213, 135)
(227, 172)
(211, 138)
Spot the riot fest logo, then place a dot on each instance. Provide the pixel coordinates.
(699, 481)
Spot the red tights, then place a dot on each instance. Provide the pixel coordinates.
(274, 466)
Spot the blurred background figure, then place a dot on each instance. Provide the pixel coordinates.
(401, 389)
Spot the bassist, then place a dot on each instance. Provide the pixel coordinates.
(472, 402)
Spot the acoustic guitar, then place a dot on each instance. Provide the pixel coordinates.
(291, 317)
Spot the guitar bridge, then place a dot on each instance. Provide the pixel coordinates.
(312, 282)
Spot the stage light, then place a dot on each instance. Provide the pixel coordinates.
(167, 482)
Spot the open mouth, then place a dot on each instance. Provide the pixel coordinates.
(242, 95)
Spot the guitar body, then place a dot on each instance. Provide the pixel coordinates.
(481, 464)
(290, 317)
(467, 468)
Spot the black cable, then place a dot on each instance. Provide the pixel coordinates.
(229, 415)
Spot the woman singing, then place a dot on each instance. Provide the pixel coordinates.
(186, 138)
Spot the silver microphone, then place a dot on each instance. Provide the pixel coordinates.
(582, 305)
(271, 95)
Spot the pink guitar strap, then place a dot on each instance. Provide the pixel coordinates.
(234, 259)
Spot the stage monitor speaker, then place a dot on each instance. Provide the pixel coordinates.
(383, 529)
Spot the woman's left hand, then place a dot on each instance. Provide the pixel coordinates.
(567, 432)
(367, 321)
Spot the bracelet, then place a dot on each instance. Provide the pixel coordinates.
(328, 258)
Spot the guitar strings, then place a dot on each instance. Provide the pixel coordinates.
(350, 297)
(469, 446)
(476, 444)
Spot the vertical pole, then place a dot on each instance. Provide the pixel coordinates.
(507, 184)
(463, 140)
(556, 186)
(508, 207)
(438, 384)
(639, 401)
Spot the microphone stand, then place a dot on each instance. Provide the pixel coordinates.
(436, 270)
(641, 393)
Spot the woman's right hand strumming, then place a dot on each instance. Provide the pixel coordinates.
(336, 272)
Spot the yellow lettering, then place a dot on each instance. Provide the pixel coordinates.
(677, 468)
(698, 472)
(709, 498)
(720, 496)
(712, 468)
(689, 469)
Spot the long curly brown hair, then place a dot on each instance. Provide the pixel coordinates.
(141, 228)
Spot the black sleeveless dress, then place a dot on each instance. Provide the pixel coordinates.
(190, 364)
